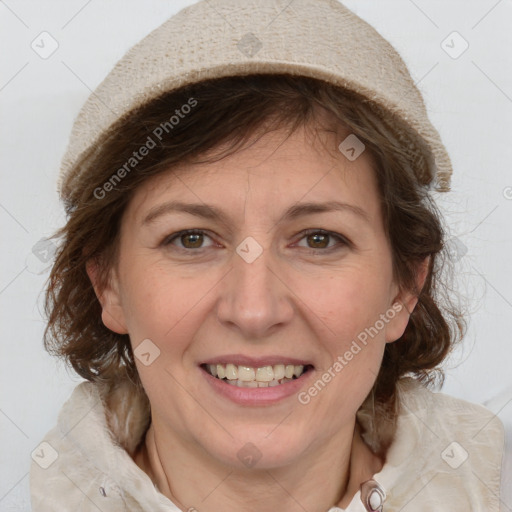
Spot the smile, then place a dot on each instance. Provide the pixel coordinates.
(256, 377)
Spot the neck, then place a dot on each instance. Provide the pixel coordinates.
(329, 478)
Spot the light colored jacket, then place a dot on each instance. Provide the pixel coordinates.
(446, 456)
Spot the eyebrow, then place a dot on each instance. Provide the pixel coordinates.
(213, 213)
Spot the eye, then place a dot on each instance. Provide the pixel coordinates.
(319, 239)
(189, 239)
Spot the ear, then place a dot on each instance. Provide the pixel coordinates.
(404, 304)
(112, 313)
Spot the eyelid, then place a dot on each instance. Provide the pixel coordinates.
(173, 236)
(341, 238)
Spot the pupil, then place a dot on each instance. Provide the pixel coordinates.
(317, 236)
(195, 237)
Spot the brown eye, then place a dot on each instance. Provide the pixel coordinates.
(322, 240)
(189, 239)
(192, 240)
(318, 240)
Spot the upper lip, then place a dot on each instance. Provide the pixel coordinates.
(256, 362)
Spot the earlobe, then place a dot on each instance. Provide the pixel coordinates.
(108, 295)
(405, 302)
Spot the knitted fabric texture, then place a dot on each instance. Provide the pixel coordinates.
(215, 38)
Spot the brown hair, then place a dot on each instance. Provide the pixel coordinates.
(230, 110)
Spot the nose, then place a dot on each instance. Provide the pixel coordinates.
(254, 297)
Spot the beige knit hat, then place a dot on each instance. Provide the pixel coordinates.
(214, 38)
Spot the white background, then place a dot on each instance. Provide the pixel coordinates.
(469, 100)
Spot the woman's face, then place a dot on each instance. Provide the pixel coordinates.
(289, 266)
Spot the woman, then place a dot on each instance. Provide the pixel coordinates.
(249, 280)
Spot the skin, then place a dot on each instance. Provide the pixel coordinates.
(302, 297)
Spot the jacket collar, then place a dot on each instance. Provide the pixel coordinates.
(442, 447)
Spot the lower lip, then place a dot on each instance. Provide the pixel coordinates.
(257, 396)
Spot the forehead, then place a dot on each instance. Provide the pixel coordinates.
(274, 169)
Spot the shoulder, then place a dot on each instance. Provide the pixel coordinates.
(506, 474)
(445, 451)
(443, 414)
(62, 467)
(501, 402)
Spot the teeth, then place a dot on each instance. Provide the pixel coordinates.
(256, 384)
(248, 377)
(245, 373)
(265, 374)
(231, 372)
(288, 371)
(244, 384)
(279, 371)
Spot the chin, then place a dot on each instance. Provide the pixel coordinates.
(258, 447)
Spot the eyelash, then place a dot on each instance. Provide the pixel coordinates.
(344, 241)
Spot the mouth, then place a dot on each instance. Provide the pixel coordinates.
(244, 376)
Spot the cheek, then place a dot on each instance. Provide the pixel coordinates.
(347, 303)
(154, 302)
(352, 338)
(167, 306)
(164, 309)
